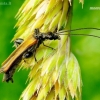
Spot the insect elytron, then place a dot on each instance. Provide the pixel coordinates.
(27, 48)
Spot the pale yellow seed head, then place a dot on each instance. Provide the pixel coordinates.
(57, 73)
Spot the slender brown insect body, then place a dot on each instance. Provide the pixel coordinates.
(27, 48)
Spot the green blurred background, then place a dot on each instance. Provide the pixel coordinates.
(86, 49)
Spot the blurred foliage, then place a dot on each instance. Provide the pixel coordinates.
(9, 91)
(86, 49)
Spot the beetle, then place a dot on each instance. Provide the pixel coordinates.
(27, 48)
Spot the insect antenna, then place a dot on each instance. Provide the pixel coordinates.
(78, 29)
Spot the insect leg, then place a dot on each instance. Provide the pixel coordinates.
(17, 42)
(34, 54)
(7, 77)
(48, 46)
